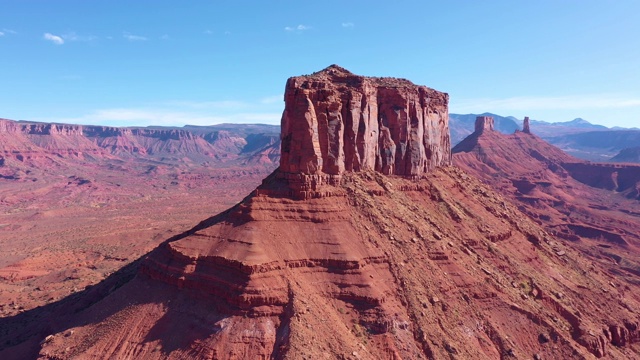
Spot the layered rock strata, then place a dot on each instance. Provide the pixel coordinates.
(37, 144)
(563, 194)
(484, 123)
(439, 267)
(335, 121)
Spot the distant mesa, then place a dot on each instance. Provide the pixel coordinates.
(487, 123)
(39, 145)
(463, 125)
(330, 258)
(484, 123)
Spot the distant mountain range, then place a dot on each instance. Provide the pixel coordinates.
(577, 137)
(629, 155)
(576, 123)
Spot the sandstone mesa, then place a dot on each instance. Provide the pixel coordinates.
(367, 244)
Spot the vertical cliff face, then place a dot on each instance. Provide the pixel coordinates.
(484, 123)
(335, 121)
(526, 128)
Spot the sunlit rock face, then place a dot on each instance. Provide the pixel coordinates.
(335, 121)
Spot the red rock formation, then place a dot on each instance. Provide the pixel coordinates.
(564, 194)
(41, 144)
(335, 121)
(419, 266)
(525, 126)
(483, 123)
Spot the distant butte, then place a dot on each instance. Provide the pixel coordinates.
(484, 123)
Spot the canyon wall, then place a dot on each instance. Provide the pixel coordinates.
(25, 141)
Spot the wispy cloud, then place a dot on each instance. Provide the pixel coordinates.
(182, 112)
(209, 105)
(348, 25)
(132, 37)
(297, 28)
(146, 117)
(164, 37)
(4, 32)
(209, 32)
(53, 38)
(271, 99)
(72, 36)
(1, 33)
(546, 103)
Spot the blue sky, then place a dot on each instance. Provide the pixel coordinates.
(203, 62)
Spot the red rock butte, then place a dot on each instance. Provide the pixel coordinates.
(331, 259)
(335, 121)
(484, 123)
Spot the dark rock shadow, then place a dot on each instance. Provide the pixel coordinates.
(22, 334)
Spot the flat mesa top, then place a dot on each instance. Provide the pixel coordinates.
(338, 74)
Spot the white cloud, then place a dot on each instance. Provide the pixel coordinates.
(162, 117)
(348, 24)
(297, 28)
(571, 102)
(209, 105)
(1, 33)
(261, 118)
(72, 36)
(210, 32)
(8, 31)
(131, 37)
(164, 37)
(183, 112)
(271, 99)
(53, 38)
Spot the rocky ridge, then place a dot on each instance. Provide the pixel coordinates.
(42, 144)
(573, 199)
(628, 155)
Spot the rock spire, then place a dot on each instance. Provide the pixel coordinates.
(525, 126)
(484, 123)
